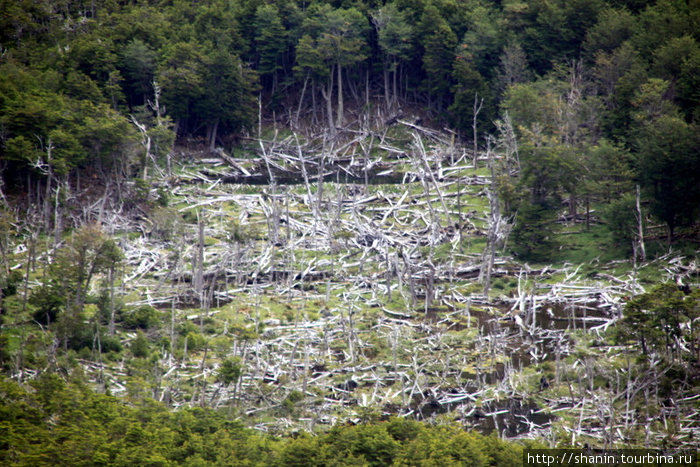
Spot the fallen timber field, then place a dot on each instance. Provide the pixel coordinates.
(366, 275)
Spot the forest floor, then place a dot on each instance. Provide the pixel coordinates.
(345, 278)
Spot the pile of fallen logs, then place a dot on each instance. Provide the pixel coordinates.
(401, 326)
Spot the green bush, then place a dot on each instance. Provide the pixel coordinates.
(68, 423)
(229, 371)
(110, 343)
(140, 346)
(620, 218)
(143, 317)
(47, 302)
(289, 403)
(10, 283)
(534, 233)
(195, 341)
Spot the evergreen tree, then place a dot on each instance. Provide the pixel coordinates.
(228, 97)
(469, 86)
(439, 52)
(395, 38)
(270, 42)
(139, 64)
(668, 159)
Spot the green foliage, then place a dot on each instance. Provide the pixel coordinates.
(70, 76)
(610, 171)
(143, 317)
(621, 220)
(228, 88)
(339, 34)
(402, 429)
(9, 283)
(618, 74)
(300, 451)
(53, 132)
(195, 341)
(395, 34)
(138, 65)
(182, 76)
(229, 371)
(668, 160)
(110, 344)
(613, 28)
(309, 58)
(140, 345)
(663, 321)
(270, 39)
(369, 443)
(662, 21)
(555, 30)
(89, 252)
(47, 301)
(439, 44)
(71, 425)
(470, 86)
(533, 236)
(290, 402)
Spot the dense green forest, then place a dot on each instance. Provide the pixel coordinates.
(602, 95)
(85, 428)
(434, 210)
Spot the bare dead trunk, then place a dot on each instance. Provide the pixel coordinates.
(477, 108)
(387, 96)
(339, 120)
(199, 260)
(640, 226)
(301, 100)
(212, 135)
(394, 100)
(111, 301)
(328, 95)
(313, 102)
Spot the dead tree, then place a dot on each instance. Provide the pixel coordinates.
(198, 268)
(427, 172)
(639, 249)
(273, 218)
(477, 108)
(495, 228)
(146, 143)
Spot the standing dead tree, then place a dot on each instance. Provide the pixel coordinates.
(478, 104)
(496, 226)
(427, 172)
(638, 244)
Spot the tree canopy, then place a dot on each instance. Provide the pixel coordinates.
(72, 75)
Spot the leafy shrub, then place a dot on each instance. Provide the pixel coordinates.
(195, 341)
(621, 220)
(229, 371)
(47, 301)
(150, 434)
(110, 343)
(402, 429)
(143, 317)
(534, 234)
(289, 403)
(80, 336)
(140, 346)
(10, 283)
